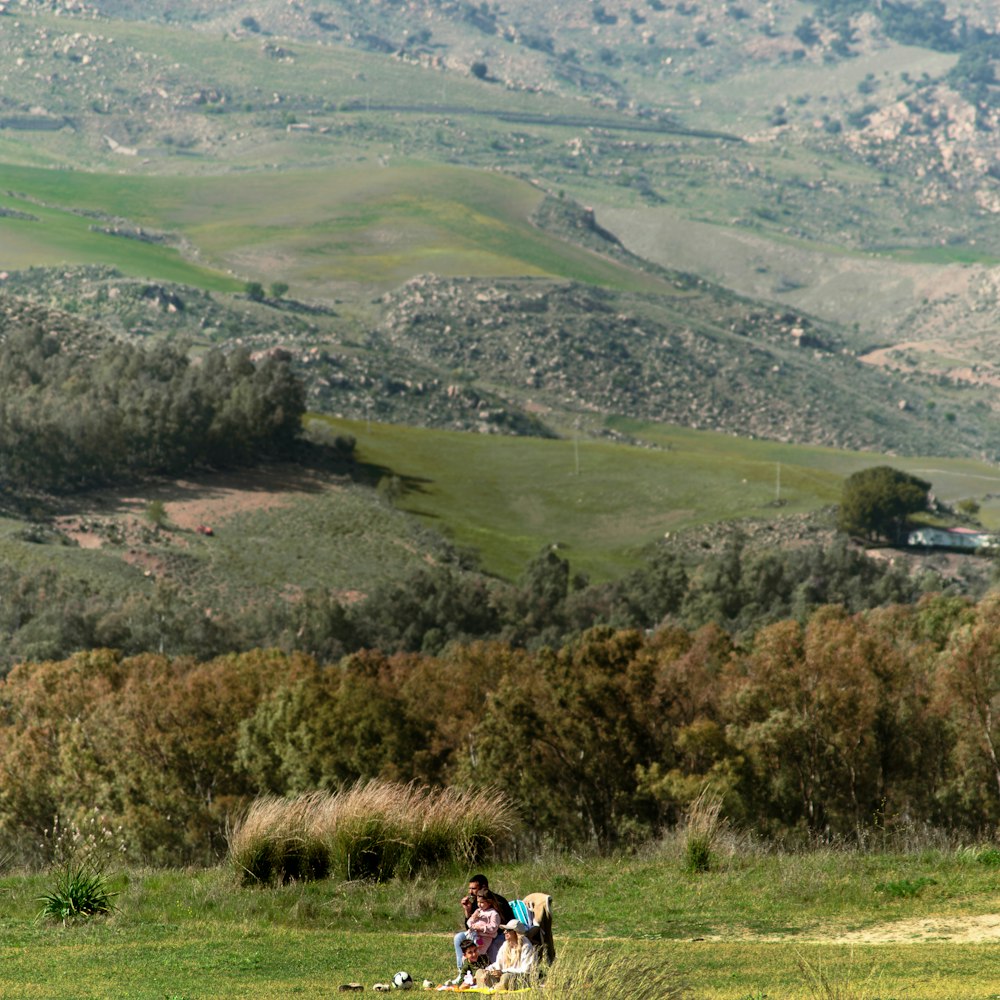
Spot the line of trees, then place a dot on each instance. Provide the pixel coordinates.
(837, 726)
(45, 615)
(74, 419)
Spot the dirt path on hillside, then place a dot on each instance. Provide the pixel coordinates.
(959, 929)
(207, 500)
(888, 357)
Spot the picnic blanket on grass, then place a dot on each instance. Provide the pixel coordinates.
(482, 989)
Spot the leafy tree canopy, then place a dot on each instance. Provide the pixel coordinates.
(877, 501)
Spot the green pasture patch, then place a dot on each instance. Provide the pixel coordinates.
(312, 228)
(382, 225)
(54, 236)
(951, 478)
(944, 255)
(508, 497)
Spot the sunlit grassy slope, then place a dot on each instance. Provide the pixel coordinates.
(316, 229)
(56, 236)
(602, 502)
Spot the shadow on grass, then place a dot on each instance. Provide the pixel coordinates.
(312, 470)
(333, 461)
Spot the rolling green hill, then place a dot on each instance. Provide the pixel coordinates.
(602, 503)
(320, 230)
(398, 170)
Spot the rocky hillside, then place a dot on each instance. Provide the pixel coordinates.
(860, 127)
(908, 89)
(705, 361)
(532, 356)
(889, 101)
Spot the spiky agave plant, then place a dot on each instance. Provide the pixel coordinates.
(82, 891)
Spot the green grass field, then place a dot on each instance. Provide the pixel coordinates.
(780, 927)
(508, 497)
(318, 230)
(61, 237)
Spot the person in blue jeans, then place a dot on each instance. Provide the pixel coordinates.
(470, 903)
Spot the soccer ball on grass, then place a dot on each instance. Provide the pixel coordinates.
(402, 981)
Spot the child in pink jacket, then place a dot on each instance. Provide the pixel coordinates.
(484, 924)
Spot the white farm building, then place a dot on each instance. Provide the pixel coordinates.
(965, 539)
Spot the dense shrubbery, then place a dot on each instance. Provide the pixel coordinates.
(48, 616)
(917, 22)
(71, 419)
(841, 725)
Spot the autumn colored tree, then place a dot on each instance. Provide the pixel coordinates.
(453, 690)
(805, 712)
(149, 741)
(970, 693)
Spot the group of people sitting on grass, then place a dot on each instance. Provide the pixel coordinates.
(494, 949)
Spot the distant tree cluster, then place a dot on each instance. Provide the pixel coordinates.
(71, 420)
(918, 22)
(45, 615)
(549, 605)
(839, 726)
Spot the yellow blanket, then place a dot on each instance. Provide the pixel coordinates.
(480, 989)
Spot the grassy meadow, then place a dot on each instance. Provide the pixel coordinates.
(602, 502)
(760, 926)
(320, 230)
(59, 236)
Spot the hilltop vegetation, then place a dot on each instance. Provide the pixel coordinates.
(414, 179)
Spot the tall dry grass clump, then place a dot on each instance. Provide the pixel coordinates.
(702, 827)
(372, 830)
(603, 976)
(848, 979)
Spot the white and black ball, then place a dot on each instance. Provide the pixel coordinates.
(402, 981)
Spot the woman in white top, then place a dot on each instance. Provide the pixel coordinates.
(514, 961)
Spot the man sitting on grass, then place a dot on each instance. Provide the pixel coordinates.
(470, 903)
